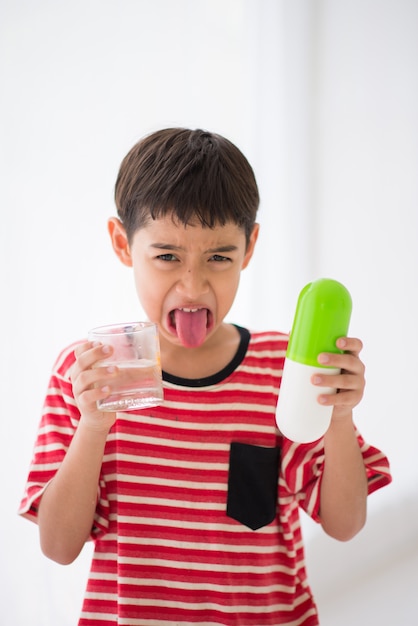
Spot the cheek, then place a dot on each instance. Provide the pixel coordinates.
(140, 280)
(151, 289)
(144, 286)
(228, 290)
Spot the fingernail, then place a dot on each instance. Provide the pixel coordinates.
(323, 358)
(106, 349)
(316, 380)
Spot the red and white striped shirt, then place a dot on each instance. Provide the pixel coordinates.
(197, 519)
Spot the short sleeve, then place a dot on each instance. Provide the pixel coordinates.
(59, 421)
(303, 466)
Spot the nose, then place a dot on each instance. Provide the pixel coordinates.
(192, 284)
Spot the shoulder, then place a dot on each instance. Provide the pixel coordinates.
(267, 349)
(265, 356)
(268, 340)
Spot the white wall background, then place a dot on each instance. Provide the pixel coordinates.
(322, 96)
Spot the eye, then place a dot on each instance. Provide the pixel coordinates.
(218, 258)
(168, 257)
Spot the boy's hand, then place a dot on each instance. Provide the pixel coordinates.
(349, 383)
(90, 384)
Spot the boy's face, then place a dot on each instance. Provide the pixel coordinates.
(186, 277)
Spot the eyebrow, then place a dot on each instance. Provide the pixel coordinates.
(169, 246)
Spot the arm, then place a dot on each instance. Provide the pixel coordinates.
(67, 507)
(344, 482)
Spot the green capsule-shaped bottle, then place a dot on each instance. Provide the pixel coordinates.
(322, 316)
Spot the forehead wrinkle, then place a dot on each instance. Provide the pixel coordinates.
(166, 246)
(227, 248)
(170, 246)
(162, 234)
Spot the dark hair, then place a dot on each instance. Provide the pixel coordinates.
(189, 174)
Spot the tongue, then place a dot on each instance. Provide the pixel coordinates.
(191, 327)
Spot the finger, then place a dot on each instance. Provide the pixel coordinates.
(350, 376)
(88, 398)
(91, 387)
(90, 355)
(94, 377)
(82, 347)
(349, 386)
(347, 398)
(87, 355)
(350, 344)
(337, 381)
(347, 361)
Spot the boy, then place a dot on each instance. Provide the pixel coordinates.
(193, 505)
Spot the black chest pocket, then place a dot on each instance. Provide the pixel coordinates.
(252, 484)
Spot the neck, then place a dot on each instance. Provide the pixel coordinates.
(208, 359)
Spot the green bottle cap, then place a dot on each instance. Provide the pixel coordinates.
(322, 316)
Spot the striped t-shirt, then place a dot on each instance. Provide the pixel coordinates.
(197, 518)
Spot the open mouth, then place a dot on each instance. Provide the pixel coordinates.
(191, 325)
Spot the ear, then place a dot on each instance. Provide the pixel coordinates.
(119, 240)
(251, 245)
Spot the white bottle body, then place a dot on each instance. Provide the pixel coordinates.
(299, 415)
